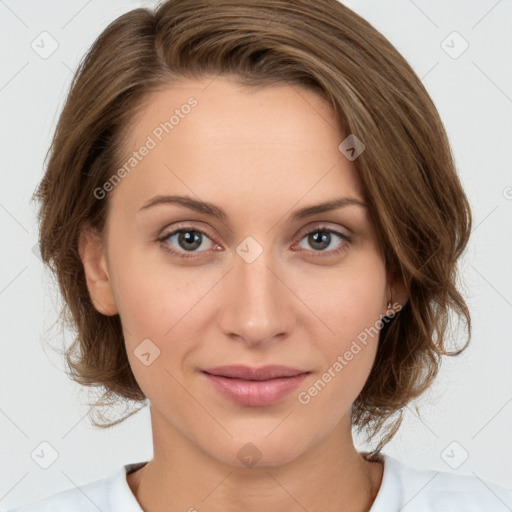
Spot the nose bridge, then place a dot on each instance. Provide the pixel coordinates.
(255, 309)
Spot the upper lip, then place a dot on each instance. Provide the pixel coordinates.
(251, 373)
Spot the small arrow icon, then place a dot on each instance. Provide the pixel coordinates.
(44, 455)
(249, 249)
(249, 455)
(44, 45)
(454, 455)
(146, 352)
(352, 147)
(454, 45)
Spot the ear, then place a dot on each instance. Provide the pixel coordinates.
(92, 254)
(396, 291)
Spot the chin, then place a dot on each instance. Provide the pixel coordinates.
(258, 451)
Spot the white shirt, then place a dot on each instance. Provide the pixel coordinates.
(403, 489)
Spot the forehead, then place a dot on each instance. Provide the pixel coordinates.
(214, 131)
(211, 111)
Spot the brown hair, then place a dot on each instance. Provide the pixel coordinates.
(417, 204)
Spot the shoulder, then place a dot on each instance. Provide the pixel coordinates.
(109, 494)
(426, 490)
(86, 498)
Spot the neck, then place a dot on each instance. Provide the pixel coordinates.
(330, 476)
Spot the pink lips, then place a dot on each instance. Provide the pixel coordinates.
(255, 386)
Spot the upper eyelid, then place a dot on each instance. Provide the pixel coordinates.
(191, 224)
(323, 227)
(172, 231)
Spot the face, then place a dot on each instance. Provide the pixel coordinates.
(262, 285)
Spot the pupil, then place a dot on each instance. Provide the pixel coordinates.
(190, 237)
(321, 237)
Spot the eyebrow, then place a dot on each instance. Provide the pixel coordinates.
(216, 211)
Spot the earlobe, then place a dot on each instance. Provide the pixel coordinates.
(397, 294)
(92, 254)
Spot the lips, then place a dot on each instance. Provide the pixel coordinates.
(254, 387)
(251, 373)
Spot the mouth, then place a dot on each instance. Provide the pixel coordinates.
(251, 373)
(251, 386)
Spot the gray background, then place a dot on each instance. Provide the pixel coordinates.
(467, 413)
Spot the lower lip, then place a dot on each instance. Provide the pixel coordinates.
(256, 392)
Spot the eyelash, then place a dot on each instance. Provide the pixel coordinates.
(191, 254)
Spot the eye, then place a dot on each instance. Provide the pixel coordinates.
(321, 238)
(186, 240)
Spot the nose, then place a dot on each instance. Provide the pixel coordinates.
(256, 307)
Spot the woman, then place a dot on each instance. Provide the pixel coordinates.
(255, 220)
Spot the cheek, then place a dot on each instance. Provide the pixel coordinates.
(351, 308)
(349, 304)
(158, 307)
(346, 299)
(153, 307)
(151, 295)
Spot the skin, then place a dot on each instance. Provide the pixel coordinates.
(259, 155)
